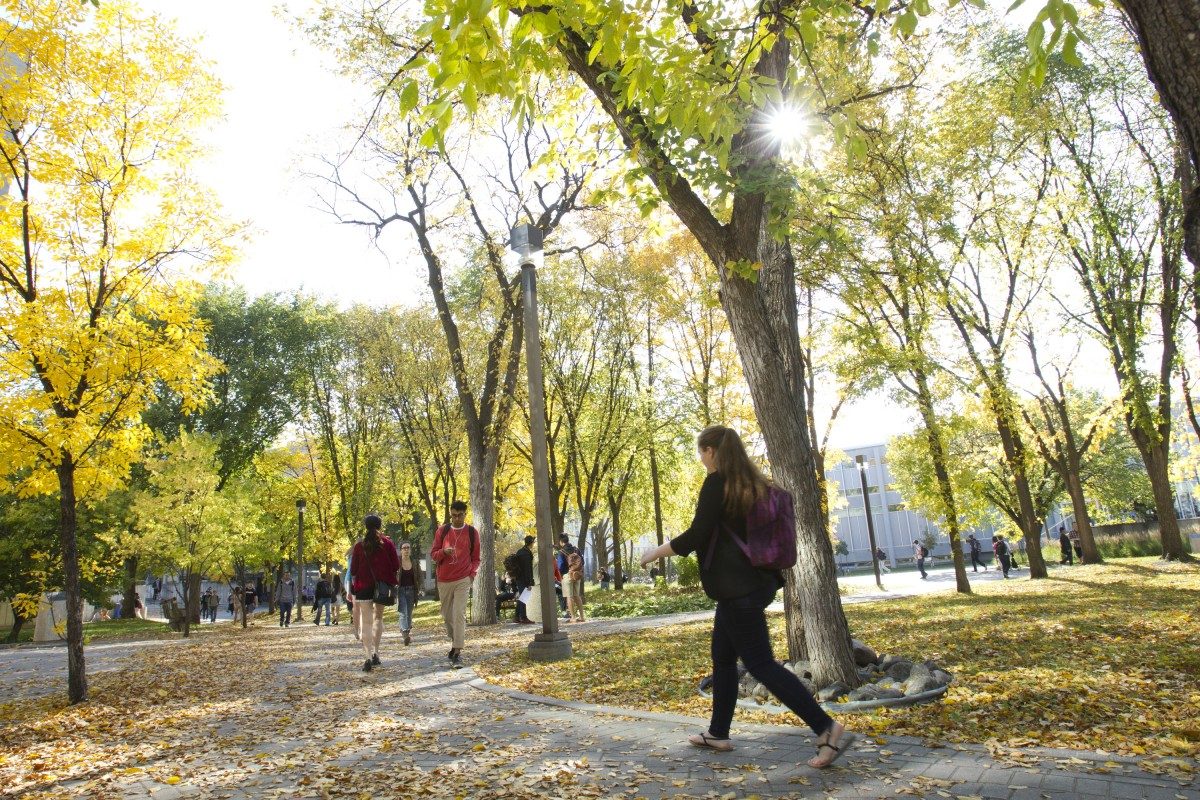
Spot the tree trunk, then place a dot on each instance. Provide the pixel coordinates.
(1083, 523)
(762, 316)
(655, 482)
(937, 454)
(129, 598)
(1156, 456)
(15, 631)
(1168, 32)
(483, 517)
(76, 672)
(1014, 454)
(189, 578)
(193, 598)
(618, 562)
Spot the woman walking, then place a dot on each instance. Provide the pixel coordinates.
(409, 589)
(573, 587)
(374, 561)
(742, 592)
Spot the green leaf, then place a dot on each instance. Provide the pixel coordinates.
(1068, 52)
(906, 23)
(408, 97)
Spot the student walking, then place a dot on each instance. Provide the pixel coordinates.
(573, 583)
(1064, 545)
(339, 596)
(523, 578)
(374, 561)
(1000, 548)
(408, 590)
(456, 553)
(976, 552)
(323, 599)
(285, 595)
(742, 591)
(919, 555)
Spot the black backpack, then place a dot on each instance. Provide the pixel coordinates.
(512, 565)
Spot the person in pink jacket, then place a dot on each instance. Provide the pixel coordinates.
(373, 560)
(456, 554)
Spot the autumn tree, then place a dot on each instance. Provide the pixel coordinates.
(185, 522)
(1121, 219)
(98, 110)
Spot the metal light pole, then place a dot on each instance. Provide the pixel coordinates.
(862, 479)
(298, 601)
(551, 644)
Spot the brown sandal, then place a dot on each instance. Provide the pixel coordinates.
(707, 740)
(844, 740)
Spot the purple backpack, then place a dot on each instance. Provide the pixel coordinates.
(770, 533)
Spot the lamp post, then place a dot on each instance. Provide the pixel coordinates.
(551, 644)
(862, 479)
(299, 599)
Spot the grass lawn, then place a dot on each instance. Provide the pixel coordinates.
(1094, 658)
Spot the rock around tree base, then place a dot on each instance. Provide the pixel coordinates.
(886, 681)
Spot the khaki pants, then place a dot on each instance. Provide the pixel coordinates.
(454, 596)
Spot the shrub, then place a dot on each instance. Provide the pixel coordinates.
(1128, 545)
(688, 569)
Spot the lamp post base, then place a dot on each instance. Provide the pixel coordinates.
(550, 647)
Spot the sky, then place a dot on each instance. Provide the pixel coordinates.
(284, 103)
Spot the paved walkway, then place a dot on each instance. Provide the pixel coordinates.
(314, 725)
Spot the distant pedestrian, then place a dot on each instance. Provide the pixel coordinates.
(1076, 542)
(285, 596)
(602, 578)
(374, 561)
(920, 553)
(408, 592)
(323, 599)
(1000, 548)
(882, 560)
(338, 595)
(733, 485)
(523, 578)
(1064, 546)
(574, 586)
(456, 553)
(561, 557)
(976, 553)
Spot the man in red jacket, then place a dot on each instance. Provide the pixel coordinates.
(456, 554)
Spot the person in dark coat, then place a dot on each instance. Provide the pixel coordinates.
(742, 591)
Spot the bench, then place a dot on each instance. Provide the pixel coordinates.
(845, 567)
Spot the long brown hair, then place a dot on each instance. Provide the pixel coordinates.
(744, 481)
(371, 539)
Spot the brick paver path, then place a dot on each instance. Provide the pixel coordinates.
(446, 734)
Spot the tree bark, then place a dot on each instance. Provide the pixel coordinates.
(762, 316)
(76, 673)
(1168, 34)
(941, 472)
(1083, 522)
(1014, 452)
(129, 597)
(15, 631)
(1156, 456)
(482, 488)
(193, 598)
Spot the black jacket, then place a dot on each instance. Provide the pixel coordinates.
(524, 576)
(323, 591)
(730, 574)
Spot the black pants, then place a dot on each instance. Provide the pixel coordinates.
(500, 598)
(1067, 556)
(976, 563)
(1005, 563)
(740, 631)
(921, 566)
(522, 611)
